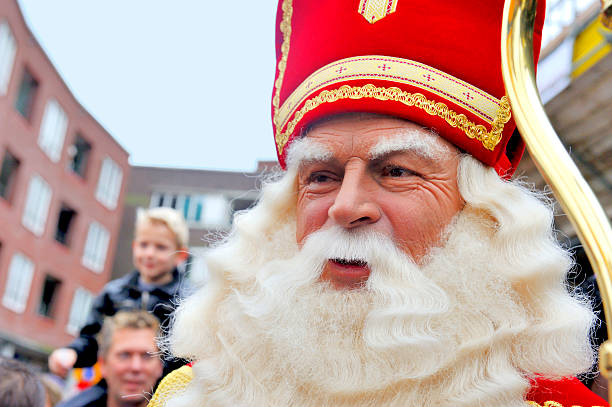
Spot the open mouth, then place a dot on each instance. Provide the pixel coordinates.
(347, 262)
(346, 273)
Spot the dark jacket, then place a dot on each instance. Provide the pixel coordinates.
(95, 396)
(124, 294)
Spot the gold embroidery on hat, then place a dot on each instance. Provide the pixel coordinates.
(374, 10)
(397, 70)
(285, 28)
(489, 139)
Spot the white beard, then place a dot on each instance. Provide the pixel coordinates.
(462, 329)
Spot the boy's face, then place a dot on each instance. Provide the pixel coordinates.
(155, 252)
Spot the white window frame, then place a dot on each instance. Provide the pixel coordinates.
(154, 199)
(96, 247)
(8, 50)
(18, 283)
(216, 211)
(109, 183)
(53, 130)
(166, 200)
(79, 310)
(36, 208)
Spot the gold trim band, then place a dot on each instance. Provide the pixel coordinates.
(393, 69)
(489, 139)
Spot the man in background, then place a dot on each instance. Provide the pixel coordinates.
(129, 361)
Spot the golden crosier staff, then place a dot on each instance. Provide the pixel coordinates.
(550, 157)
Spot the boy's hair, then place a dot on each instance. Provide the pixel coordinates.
(19, 386)
(171, 218)
(135, 319)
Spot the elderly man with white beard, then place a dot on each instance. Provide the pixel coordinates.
(393, 263)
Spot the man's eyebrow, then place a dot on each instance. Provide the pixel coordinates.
(417, 142)
(307, 150)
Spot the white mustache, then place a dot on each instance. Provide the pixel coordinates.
(358, 245)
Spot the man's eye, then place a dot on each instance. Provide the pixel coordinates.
(123, 355)
(396, 172)
(319, 178)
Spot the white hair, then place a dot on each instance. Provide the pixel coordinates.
(306, 150)
(486, 313)
(419, 141)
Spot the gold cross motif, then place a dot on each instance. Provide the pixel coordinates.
(374, 10)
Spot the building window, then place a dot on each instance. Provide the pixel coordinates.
(37, 205)
(8, 174)
(17, 289)
(8, 48)
(53, 130)
(240, 205)
(79, 155)
(81, 305)
(209, 210)
(65, 220)
(216, 212)
(27, 92)
(96, 246)
(109, 183)
(50, 288)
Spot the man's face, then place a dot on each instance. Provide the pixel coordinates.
(155, 252)
(131, 365)
(388, 175)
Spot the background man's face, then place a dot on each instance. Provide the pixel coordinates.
(131, 365)
(408, 193)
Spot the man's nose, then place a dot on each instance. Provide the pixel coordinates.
(136, 363)
(355, 204)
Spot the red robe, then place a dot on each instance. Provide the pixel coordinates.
(568, 392)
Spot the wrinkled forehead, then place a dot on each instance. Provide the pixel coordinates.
(372, 135)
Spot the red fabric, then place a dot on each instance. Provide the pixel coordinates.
(568, 392)
(461, 38)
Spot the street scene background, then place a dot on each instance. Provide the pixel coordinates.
(108, 107)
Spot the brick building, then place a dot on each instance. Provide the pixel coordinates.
(61, 188)
(208, 199)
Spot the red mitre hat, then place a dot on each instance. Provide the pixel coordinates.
(437, 63)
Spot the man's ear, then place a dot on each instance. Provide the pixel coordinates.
(160, 369)
(102, 365)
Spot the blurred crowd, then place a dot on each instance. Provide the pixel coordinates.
(122, 335)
